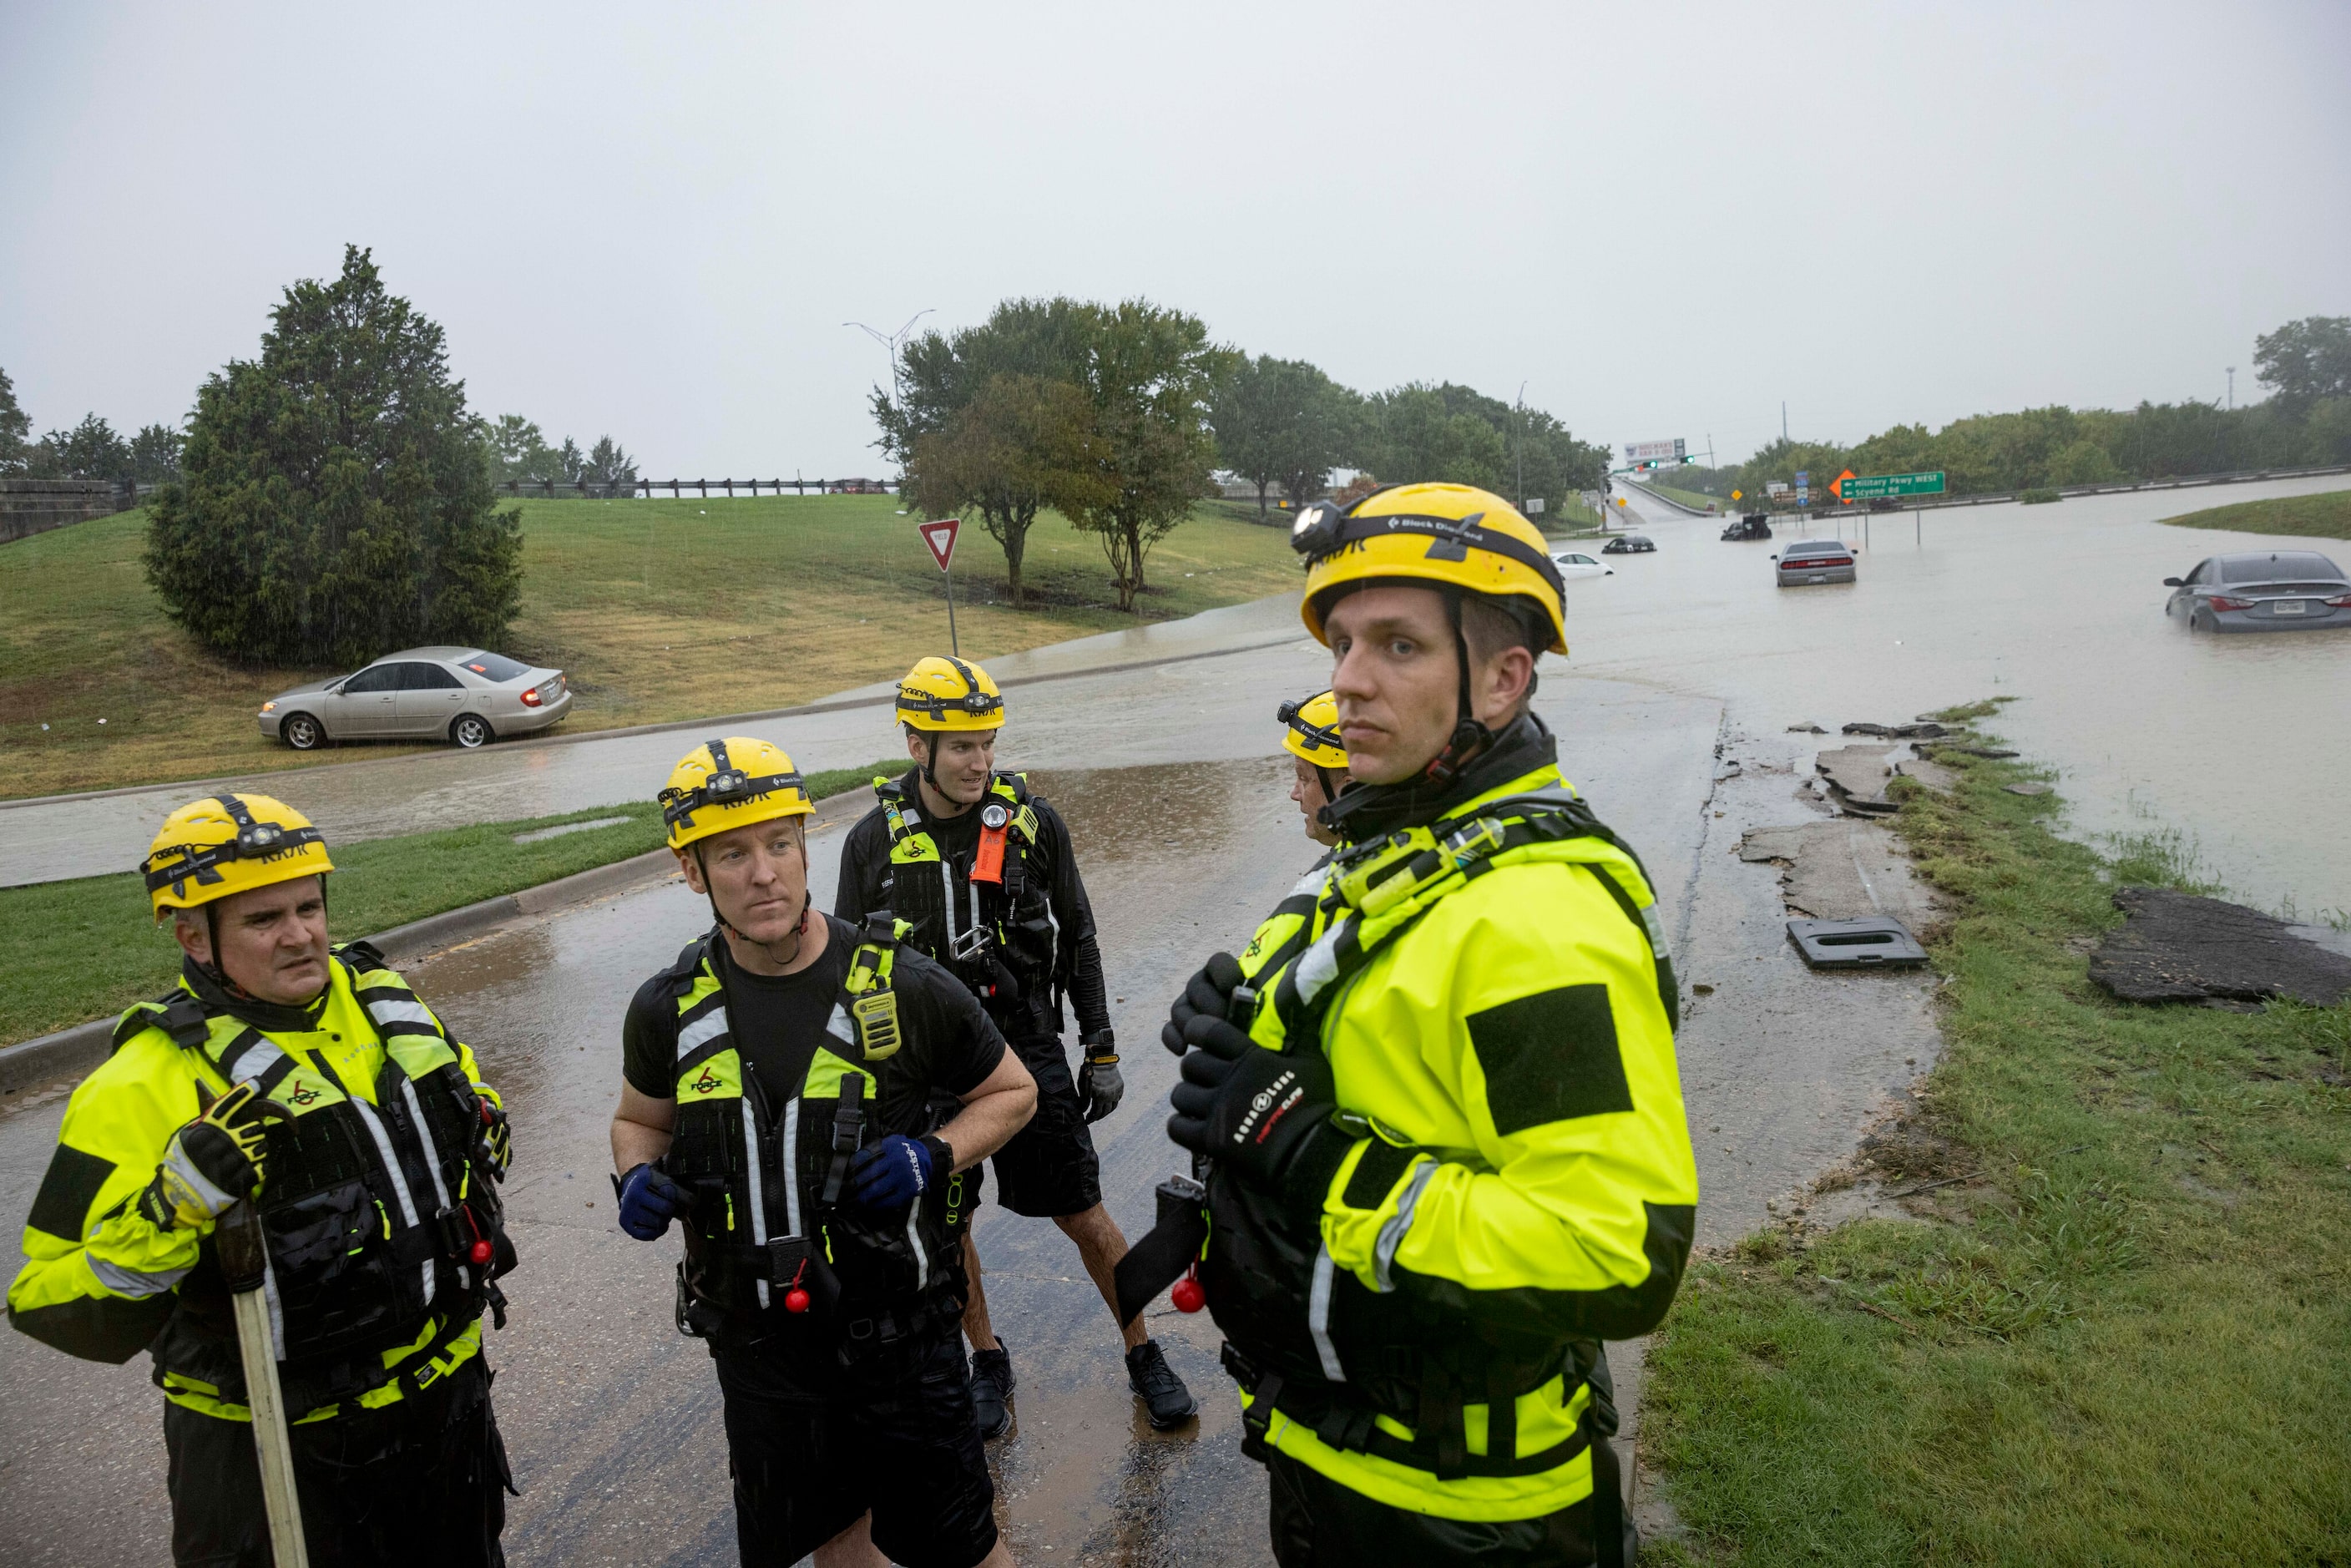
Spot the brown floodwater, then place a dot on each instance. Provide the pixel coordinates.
(2238, 744)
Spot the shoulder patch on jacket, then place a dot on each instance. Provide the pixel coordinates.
(1551, 1057)
(71, 1186)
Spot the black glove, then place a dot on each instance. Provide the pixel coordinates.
(1256, 1112)
(497, 1137)
(1099, 1084)
(214, 1161)
(1209, 993)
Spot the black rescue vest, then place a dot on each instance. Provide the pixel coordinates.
(768, 1180)
(996, 936)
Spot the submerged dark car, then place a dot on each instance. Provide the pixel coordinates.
(1629, 543)
(1753, 526)
(2261, 591)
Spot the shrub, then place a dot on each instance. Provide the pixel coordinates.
(335, 503)
(2037, 497)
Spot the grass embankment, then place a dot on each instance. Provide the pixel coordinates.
(2321, 516)
(85, 948)
(2121, 1337)
(1693, 499)
(657, 610)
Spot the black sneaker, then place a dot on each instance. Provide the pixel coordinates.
(1165, 1398)
(991, 1385)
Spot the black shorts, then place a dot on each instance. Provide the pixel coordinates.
(1318, 1523)
(1048, 1167)
(423, 1479)
(812, 1449)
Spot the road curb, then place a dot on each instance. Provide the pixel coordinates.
(71, 1052)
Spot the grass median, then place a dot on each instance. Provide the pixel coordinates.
(89, 947)
(658, 610)
(2320, 517)
(2114, 1326)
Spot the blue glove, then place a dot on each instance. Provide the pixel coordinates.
(649, 1201)
(891, 1173)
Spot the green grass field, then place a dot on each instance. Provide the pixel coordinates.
(2320, 517)
(2120, 1338)
(85, 948)
(658, 610)
(1693, 499)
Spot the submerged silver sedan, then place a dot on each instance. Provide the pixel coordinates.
(467, 696)
(2261, 591)
(1814, 560)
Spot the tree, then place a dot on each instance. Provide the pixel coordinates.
(1149, 371)
(90, 450)
(1022, 444)
(16, 424)
(1282, 422)
(517, 451)
(2304, 360)
(1420, 440)
(155, 454)
(335, 503)
(995, 418)
(606, 465)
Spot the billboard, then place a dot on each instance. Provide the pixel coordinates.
(1646, 450)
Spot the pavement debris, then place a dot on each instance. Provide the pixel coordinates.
(1933, 775)
(1806, 730)
(1927, 730)
(1995, 752)
(1857, 776)
(2026, 789)
(2180, 948)
(1842, 870)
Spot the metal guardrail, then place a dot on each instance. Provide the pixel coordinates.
(629, 489)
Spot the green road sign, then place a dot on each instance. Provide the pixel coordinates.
(1876, 486)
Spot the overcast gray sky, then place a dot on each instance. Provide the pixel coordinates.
(652, 220)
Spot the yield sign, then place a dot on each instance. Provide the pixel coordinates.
(1836, 485)
(941, 537)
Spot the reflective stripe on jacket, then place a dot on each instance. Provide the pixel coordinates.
(752, 1233)
(372, 1188)
(1494, 997)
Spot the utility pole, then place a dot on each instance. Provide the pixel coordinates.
(890, 342)
(2232, 388)
(1784, 420)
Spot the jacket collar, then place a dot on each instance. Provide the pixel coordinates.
(269, 1018)
(1366, 811)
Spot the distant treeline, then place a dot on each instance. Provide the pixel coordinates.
(2304, 421)
(90, 450)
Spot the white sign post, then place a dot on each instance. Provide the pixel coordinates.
(941, 539)
(1535, 507)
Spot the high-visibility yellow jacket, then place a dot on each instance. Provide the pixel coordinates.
(372, 1191)
(1491, 990)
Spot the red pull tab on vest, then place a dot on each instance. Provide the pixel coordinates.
(987, 862)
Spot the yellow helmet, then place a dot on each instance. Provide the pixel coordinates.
(223, 844)
(1310, 730)
(730, 783)
(1447, 536)
(949, 695)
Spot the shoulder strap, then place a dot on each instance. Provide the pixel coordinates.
(361, 955)
(178, 1014)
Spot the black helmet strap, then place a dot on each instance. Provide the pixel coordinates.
(1470, 739)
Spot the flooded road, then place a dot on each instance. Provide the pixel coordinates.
(611, 1416)
(2238, 742)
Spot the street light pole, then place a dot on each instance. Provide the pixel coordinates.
(1522, 446)
(2232, 388)
(890, 342)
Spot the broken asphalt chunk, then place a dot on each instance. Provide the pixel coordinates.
(2179, 948)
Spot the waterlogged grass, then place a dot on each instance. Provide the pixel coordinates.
(2118, 1337)
(2321, 516)
(658, 610)
(82, 949)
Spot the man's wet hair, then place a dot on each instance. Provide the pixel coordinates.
(1492, 626)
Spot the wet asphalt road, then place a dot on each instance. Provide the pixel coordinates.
(612, 1418)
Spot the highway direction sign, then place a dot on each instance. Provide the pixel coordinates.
(1876, 486)
(1644, 451)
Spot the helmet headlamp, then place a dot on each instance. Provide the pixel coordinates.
(995, 815)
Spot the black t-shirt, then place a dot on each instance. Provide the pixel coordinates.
(778, 1022)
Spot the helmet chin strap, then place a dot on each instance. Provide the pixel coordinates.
(931, 760)
(710, 892)
(1470, 739)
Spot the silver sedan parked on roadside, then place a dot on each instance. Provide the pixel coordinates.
(465, 695)
(2261, 591)
(1814, 560)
